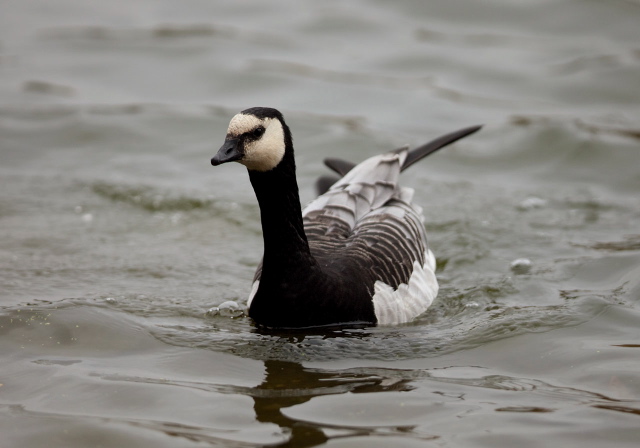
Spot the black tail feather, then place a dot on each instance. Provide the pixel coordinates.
(324, 183)
(342, 167)
(434, 145)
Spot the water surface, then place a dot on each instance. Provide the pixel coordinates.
(118, 238)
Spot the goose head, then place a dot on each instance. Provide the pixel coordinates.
(258, 138)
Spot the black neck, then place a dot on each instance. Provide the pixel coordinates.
(285, 244)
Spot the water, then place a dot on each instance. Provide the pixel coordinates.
(118, 236)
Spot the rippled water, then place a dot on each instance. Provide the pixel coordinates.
(118, 239)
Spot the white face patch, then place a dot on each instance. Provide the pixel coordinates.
(242, 123)
(262, 154)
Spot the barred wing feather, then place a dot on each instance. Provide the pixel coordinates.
(367, 219)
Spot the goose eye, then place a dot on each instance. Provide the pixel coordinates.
(257, 132)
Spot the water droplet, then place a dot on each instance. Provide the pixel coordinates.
(175, 218)
(521, 265)
(532, 202)
(226, 309)
(87, 217)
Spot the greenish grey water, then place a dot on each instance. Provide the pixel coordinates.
(117, 236)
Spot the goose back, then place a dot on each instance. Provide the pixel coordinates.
(367, 219)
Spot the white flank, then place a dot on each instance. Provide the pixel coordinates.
(265, 153)
(252, 294)
(409, 300)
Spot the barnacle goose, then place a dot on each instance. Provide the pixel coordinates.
(356, 255)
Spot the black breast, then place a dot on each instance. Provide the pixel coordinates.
(335, 294)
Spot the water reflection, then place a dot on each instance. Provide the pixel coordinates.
(289, 383)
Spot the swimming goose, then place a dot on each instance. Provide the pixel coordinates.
(356, 255)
